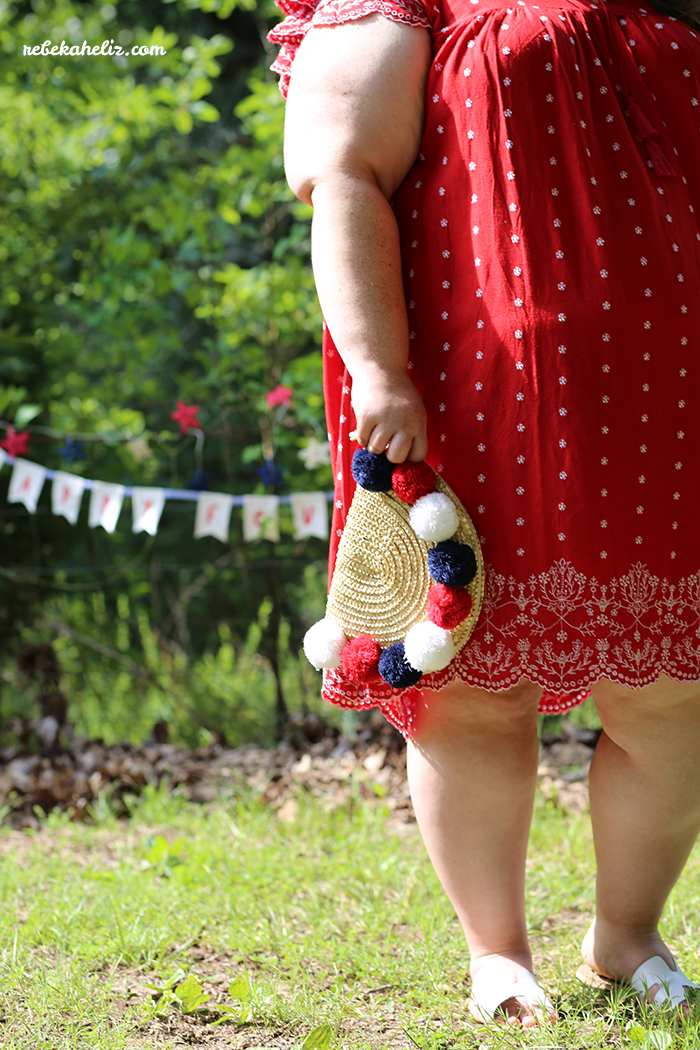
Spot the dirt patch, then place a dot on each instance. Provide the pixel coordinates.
(129, 988)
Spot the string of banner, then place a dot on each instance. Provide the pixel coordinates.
(212, 516)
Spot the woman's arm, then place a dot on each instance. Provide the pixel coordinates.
(353, 130)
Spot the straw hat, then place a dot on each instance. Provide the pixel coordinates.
(409, 577)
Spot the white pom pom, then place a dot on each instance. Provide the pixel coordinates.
(323, 644)
(434, 517)
(428, 647)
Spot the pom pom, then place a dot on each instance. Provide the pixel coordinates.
(448, 606)
(434, 517)
(452, 563)
(412, 481)
(360, 659)
(323, 644)
(395, 669)
(372, 470)
(428, 647)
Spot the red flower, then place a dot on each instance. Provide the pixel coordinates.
(186, 417)
(16, 443)
(281, 395)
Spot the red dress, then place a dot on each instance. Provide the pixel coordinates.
(550, 234)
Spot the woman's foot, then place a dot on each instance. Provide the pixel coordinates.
(492, 977)
(617, 953)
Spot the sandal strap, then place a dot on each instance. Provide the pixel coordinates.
(490, 992)
(672, 982)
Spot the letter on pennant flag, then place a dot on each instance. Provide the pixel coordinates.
(26, 483)
(261, 518)
(147, 507)
(309, 514)
(105, 505)
(213, 515)
(66, 495)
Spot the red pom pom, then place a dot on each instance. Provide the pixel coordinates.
(412, 481)
(360, 659)
(448, 606)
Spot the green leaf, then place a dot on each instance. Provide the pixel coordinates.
(232, 1013)
(635, 1032)
(658, 1040)
(318, 1038)
(169, 983)
(190, 994)
(229, 214)
(240, 989)
(25, 414)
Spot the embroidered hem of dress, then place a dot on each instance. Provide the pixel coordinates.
(400, 708)
(301, 16)
(563, 631)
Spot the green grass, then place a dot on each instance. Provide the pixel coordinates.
(332, 921)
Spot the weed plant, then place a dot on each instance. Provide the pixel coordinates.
(327, 931)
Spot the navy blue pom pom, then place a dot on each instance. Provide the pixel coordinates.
(452, 563)
(372, 470)
(395, 668)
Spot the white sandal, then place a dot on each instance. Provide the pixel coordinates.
(672, 983)
(489, 993)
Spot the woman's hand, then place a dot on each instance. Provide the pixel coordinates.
(390, 415)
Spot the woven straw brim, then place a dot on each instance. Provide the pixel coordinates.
(381, 578)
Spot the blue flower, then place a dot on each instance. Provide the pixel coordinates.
(71, 451)
(200, 481)
(269, 473)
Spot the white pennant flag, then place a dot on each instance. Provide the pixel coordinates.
(66, 495)
(26, 483)
(309, 514)
(213, 515)
(147, 507)
(105, 505)
(3, 457)
(261, 518)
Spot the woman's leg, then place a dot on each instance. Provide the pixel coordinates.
(472, 769)
(645, 809)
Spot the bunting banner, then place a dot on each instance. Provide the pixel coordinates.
(309, 515)
(67, 494)
(26, 483)
(147, 507)
(261, 518)
(213, 515)
(105, 505)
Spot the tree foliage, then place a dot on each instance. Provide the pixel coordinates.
(152, 251)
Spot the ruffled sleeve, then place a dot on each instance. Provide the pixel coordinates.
(301, 16)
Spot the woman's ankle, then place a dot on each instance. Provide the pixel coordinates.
(519, 957)
(617, 950)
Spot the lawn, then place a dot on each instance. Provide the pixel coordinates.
(312, 927)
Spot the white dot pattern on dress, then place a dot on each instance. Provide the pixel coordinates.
(506, 286)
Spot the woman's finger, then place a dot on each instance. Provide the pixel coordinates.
(378, 440)
(419, 449)
(398, 448)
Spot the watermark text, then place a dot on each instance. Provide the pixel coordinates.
(107, 47)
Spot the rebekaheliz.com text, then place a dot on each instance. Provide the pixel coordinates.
(107, 47)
